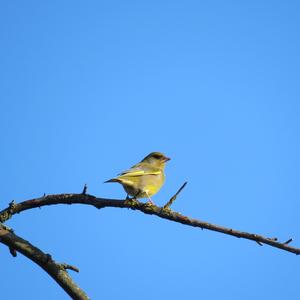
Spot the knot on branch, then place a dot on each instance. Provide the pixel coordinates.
(12, 205)
(49, 258)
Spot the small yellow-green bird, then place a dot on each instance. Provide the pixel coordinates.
(144, 179)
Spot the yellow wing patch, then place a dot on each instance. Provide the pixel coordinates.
(134, 173)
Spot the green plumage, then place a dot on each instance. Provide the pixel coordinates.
(144, 179)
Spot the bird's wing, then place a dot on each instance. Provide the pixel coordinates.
(138, 170)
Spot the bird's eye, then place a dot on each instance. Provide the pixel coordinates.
(157, 156)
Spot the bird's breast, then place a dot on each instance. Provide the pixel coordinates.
(153, 183)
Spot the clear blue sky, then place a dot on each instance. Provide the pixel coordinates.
(89, 88)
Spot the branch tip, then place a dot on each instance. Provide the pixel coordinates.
(12, 251)
(69, 267)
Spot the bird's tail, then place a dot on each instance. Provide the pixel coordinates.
(112, 180)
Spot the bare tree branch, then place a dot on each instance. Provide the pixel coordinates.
(143, 207)
(56, 271)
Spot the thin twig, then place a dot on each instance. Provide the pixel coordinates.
(12, 251)
(170, 202)
(84, 189)
(69, 267)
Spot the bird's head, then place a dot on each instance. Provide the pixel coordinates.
(156, 159)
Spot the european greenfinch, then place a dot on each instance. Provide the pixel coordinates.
(144, 179)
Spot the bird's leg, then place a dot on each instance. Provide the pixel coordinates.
(149, 199)
(135, 196)
(132, 200)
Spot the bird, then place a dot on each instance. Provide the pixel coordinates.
(144, 179)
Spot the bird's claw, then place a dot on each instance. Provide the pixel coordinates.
(150, 203)
(130, 201)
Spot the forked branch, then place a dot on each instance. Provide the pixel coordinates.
(55, 270)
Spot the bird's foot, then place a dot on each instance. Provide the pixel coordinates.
(131, 201)
(150, 203)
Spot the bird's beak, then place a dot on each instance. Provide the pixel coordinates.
(167, 159)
